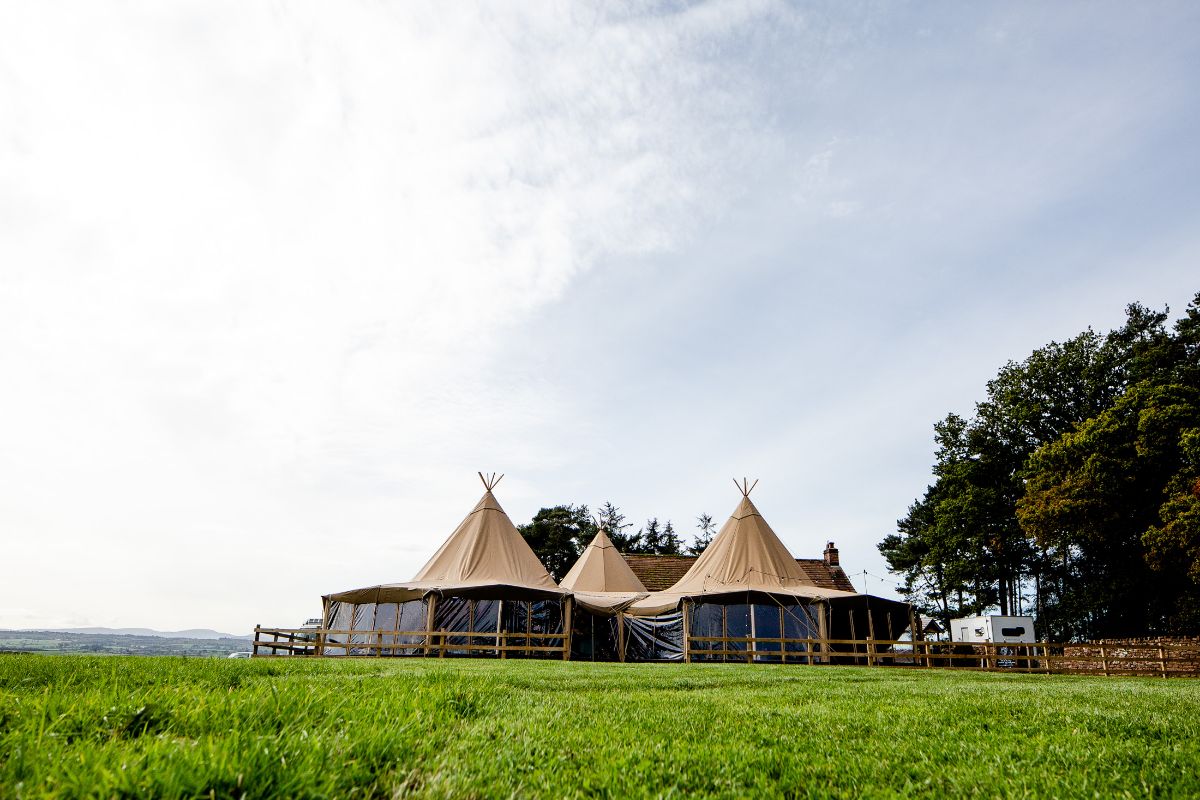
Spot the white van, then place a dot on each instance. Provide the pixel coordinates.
(992, 628)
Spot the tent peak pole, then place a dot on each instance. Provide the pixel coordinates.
(745, 487)
(490, 482)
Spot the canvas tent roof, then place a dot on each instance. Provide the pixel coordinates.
(485, 556)
(601, 568)
(745, 556)
(601, 579)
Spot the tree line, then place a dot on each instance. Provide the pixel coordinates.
(1072, 492)
(559, 534)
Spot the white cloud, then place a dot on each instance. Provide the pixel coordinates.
(254, 262)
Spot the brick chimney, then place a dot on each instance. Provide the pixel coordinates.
(831, 556)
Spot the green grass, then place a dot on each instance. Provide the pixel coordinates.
(175, 727)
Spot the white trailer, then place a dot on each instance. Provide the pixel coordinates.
(993, 629)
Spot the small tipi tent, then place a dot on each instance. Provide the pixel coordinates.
(601, 568)
(603, 585)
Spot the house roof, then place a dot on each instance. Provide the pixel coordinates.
(659, 573)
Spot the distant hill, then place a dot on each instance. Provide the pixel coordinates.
(194, 633)
(118, 642)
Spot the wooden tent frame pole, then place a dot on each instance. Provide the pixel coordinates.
(499, 627)
(752, 645)
(917, 634)
(823, 631)
(568, 628)
(853, 633)
(429, 624)
(687, 633)
(890, 633)
(870, 635)
(621, 637)
(320, 650)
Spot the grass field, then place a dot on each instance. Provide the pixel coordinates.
(176, 727)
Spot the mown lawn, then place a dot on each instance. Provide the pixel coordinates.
(174, 727)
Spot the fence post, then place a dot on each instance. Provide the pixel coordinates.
(254, 649)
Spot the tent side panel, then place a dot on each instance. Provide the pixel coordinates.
(657, 638)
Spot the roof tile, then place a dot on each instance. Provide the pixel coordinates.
(658, 573)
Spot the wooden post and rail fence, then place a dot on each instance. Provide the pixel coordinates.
(1157, 659)
(437, 643)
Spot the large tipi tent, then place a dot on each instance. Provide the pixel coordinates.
(603, 586)
(483, 591)
(745, 585)
(486, 553)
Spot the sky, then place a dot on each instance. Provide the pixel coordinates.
(277, 279)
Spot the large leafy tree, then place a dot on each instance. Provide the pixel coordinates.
(1094, 498)
(1173, 544)
(557, 535)
(962, 547)
(938, 547)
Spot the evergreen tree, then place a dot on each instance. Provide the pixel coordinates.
(704, 538)
(651, 537)
(671, 543)
(614, 524)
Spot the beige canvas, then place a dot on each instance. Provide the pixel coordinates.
(745, 556)
(486, 548)
(601, 568)
(485, 552)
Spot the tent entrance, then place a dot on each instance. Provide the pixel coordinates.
(595, 637)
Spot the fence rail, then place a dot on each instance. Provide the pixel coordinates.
(1165, 659)
(374, 643)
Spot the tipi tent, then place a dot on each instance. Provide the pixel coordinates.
(743, 589)
(486, 552)
(484, 591)
(603, 585)
(601, 570)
